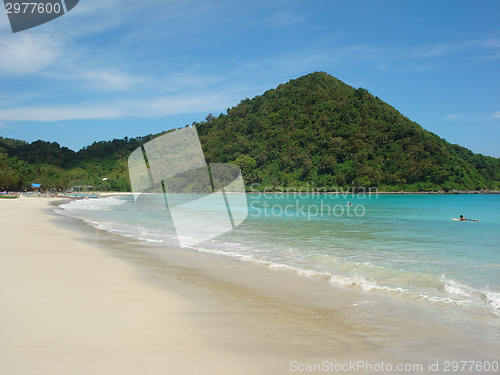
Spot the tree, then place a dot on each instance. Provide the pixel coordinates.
(15, 174)
(247, 165)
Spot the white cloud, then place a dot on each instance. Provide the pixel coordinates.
(491, 42)
(184, 104)
(492, 57)
(93, 6)
(36, 50)
(473, 118)
(4, 22)
(110, 80)
(430, 50)
(156, 107)
(421, 58)
(25, 53)
(284, 19)
(45, 114)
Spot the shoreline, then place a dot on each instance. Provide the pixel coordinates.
(75, 299)
(287, 287)
(250, 318)
(376, 192)
(69, 307)
(348, 192)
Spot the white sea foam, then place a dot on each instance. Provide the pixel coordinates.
(457, 288)
(361, 282)
(93, 204)
(493, 299)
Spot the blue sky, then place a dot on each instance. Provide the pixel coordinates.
(115, 68)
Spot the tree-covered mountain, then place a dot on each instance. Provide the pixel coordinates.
(314, 129)
(318, 129)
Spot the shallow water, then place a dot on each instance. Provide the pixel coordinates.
(405, 245)
(421, 286)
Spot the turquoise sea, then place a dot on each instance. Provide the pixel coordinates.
(405, 246)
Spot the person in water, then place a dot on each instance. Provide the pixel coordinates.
(462, 218)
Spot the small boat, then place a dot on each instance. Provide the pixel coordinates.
(87, 195)
(67, 196)
(9, 196)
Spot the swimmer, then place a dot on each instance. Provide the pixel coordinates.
(462, 218)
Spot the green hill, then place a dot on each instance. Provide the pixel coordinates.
(318, 129)
(314, 129)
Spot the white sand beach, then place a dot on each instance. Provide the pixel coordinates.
(69, 308)
(69, 305)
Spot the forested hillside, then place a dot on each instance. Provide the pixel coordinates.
(318, 129)
(58, 168)
(314, 129)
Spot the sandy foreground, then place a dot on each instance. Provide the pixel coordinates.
(77, 300)
(68, 307)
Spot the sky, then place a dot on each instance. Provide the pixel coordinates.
(115, 68)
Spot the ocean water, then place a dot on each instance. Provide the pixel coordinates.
(405, 246)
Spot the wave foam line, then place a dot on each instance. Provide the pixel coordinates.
(101, 204)
(491, 300)
(458, 294)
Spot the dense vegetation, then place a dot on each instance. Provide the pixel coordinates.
(314, 129)
(15, 174)
(320, 130)
(58, 168)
